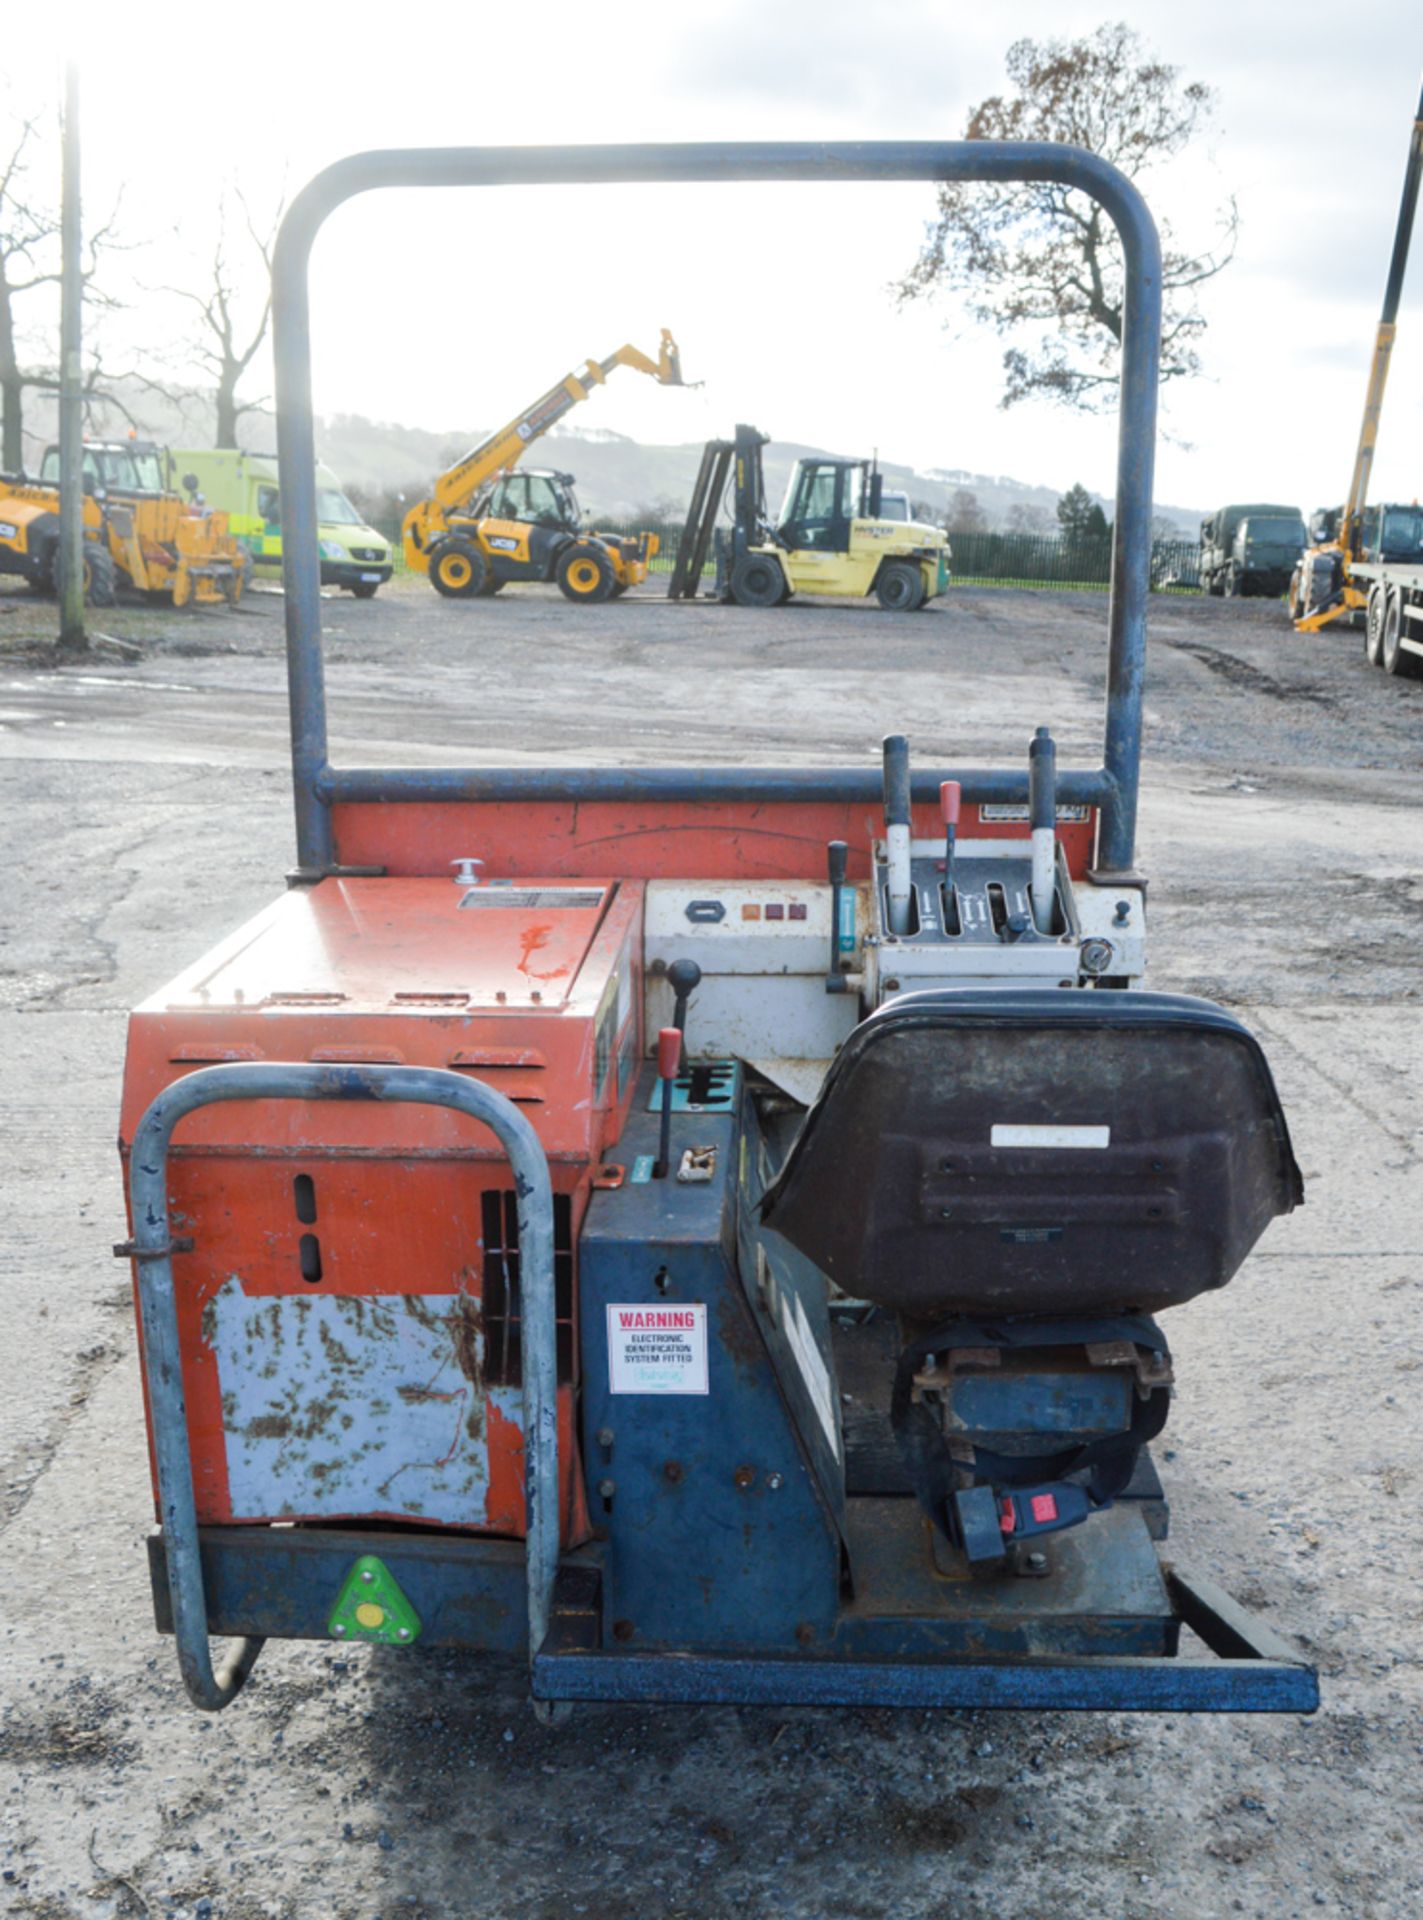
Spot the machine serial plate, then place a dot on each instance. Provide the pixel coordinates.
(538, 898)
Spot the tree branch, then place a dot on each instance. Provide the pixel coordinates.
(1043, 257)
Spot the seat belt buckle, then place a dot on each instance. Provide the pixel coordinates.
(1028, 1511)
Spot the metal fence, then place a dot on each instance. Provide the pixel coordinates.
(979, 559)
(1036, 560)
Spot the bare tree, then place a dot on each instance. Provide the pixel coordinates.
(29, 259)
(1025, 516)
(965, 515)
(233, 313)
(1044, 257)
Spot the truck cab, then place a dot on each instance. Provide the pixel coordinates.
(1393, 534)
(1250, 551)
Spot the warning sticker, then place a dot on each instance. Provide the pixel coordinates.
(657, 1349)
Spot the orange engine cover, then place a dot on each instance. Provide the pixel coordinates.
(350, 1311)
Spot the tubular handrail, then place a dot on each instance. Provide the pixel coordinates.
(318, 786)
(152, 1249)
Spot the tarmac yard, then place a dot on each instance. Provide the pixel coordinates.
(146, 813)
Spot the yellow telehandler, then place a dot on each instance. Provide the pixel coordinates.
(136, 533)
(485, 525)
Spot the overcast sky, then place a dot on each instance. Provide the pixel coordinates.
(452, 309)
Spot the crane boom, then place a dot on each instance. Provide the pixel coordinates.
(1349, 525)
(503, 449)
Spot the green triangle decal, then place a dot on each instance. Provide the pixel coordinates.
(370, 1606)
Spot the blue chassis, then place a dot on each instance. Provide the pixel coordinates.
(720, 1582)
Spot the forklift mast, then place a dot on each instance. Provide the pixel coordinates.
(740, 459)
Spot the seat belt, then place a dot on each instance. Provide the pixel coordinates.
(1063, 1486)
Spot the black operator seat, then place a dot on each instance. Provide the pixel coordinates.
(1063, 1152)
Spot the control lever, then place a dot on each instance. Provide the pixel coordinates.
(683, 977)
(897, 830)
(1042, 820)
(669, 1059)
(950, 795)
(837, 861)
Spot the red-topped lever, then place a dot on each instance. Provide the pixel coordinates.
(950, 795)
(669, 1059)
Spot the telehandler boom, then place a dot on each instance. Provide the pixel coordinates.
(1324, 587)
(469, 543)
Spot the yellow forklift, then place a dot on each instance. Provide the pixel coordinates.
(485, 525)
(831, 538)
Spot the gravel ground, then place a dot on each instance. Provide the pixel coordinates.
(146, 812)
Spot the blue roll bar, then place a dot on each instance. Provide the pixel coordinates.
(318, 786)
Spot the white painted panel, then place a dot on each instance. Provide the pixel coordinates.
(337, 1404)
(813, 1369)
(745, 1016)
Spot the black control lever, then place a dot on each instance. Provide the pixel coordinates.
(683, 977)
(837, 860)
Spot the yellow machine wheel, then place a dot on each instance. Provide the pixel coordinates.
(900, 586)
(458, 569)
(585, 574)
(99, 588)
(759, 580)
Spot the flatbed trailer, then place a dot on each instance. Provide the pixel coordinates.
(1394, 619)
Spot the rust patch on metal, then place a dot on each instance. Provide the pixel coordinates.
(422, 1396)
(336, 1353)
(466, 1324)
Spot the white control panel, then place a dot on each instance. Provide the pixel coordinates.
(764, 951)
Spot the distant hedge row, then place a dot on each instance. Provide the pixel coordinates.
(1000, 559)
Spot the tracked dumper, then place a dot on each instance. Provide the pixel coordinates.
(712, 1230)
